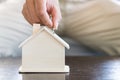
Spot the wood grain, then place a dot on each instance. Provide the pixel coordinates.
(82, 68)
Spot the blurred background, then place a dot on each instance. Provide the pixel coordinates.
(14, 28)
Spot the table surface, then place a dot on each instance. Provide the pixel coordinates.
(82, 68)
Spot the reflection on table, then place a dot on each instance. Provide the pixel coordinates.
(43, 76)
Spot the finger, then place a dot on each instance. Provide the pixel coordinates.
(40, 6)
(56, 17)
(31, 9)
(26, 14)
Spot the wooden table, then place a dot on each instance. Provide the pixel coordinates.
(82, 68)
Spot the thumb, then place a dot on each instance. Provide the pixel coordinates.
(41, 10)
(56, 17)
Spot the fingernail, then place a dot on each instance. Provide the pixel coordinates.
(56, 26)
(50, 24)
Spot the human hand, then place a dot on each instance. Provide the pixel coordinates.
(45, 12)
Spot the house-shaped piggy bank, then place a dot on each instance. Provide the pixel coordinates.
(44, 51)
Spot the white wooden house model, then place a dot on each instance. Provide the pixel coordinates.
(44, 51)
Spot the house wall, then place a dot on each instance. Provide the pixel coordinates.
(43, 53)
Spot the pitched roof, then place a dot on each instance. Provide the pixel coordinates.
(54, 35)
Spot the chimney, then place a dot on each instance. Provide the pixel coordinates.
(36, 28)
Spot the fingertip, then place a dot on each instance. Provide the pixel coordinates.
(55, 25)
(55, 28)
(56, 21)
(49, 24)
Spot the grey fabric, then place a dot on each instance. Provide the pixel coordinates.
(77, 49)
(2, 1)
(94, 24)
(14, 29)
